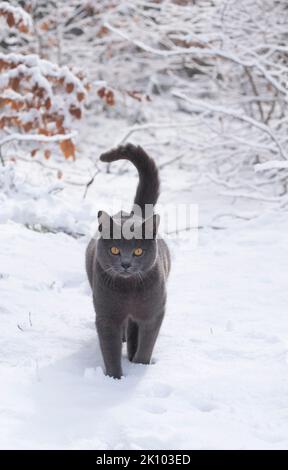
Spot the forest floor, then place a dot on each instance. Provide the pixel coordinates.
(219, 378)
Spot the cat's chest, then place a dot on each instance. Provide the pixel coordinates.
(136, 299)
(141, 305)
(138, 305)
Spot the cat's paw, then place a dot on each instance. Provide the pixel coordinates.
(114, 375)
(141, 360)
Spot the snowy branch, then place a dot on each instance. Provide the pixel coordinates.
(37, 138)
(236, 115)
(271, 165)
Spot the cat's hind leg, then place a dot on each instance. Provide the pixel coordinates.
(124, 332)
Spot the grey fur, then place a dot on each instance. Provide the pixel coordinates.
(129, 292)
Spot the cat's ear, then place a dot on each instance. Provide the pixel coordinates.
(150, 227)
(105, 225)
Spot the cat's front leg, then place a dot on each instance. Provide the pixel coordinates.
(110, 338)
(132, 338)
(147, 336)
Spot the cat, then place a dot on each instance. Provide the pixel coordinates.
(128, 276)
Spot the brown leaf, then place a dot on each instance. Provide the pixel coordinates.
(103, 31)
(28, 126)
(110, 98)
(45, 25)
(14, 83)
(39, 91)
(69, 87)
(47, 154)
(101, 92)
(10, 19)
(68, 148)
(76, 112)
(43, 131)
(16, 105)
(48, 103)
(80, 96)
(23, 28)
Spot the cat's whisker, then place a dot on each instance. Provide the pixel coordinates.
(109, 276)
(140, 278)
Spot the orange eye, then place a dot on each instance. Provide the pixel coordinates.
(138, 251)
(114, 250)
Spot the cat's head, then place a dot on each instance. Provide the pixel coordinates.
(126, 245)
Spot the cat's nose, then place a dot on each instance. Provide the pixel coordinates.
(125, 264)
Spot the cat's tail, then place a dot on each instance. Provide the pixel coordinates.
(149, 184)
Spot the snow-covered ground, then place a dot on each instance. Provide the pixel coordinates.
(203, 90)
(219, 378)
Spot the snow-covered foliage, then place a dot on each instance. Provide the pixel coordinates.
(15, 17)
(225, 64)
(37, 96)
(222, 64)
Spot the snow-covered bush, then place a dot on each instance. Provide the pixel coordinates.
(15, 17)
(37, 97)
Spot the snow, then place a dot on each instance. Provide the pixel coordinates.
(219, 378)
(36, 138)
(271, 165)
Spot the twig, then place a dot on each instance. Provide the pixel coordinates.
(36, 138)
(271, 165)
(236, 115)
(144, 127)
(254, 88)
(169, 162)
(1, 158)
(255, 197)
(200, 53)
(198, 227)
(45, 229)
(90, 182)
(235, 216)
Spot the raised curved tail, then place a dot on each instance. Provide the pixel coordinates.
(149, 184)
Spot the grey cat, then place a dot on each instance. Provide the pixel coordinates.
(128, 276)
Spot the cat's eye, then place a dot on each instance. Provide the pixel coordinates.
(138, 251)
(114, 250)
